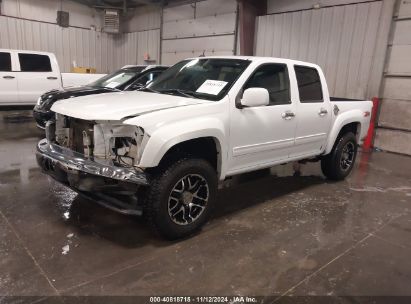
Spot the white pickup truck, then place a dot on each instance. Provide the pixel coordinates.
(166, 147)
(25, 75)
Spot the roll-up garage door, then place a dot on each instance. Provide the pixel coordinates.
(205, 27)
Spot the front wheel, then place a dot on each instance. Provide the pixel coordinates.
(180, 198)
(339, 163)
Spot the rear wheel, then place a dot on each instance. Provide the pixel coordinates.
(180, 198)
(339, 163)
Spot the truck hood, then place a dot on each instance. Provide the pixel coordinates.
(119, 105)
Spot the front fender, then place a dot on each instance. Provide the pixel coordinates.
(167, 136)
(340, 121)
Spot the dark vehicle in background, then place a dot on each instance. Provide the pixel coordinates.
(128, 78)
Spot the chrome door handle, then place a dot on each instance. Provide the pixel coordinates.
(322, 112)
(52, 78)
(288, 115)
(8, 77)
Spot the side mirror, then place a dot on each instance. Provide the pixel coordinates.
(255, 97)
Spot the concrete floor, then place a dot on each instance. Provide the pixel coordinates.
(272, 235)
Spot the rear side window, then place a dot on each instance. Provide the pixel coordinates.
(5, 62)
(34, 63)
(309, 84)
(274, 78)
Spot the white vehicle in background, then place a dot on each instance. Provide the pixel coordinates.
(201, 121)
(25, 75)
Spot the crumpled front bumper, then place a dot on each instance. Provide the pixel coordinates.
(51, 157)
(97, 180)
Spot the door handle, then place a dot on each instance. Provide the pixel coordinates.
(322, 112)
(52, 78)
(288, 115)
(8, 77)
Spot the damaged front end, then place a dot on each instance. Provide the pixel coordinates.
(97, 159)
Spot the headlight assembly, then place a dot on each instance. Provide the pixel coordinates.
(124, 144)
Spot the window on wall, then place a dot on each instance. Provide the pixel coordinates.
(5, 62)
(34, 63)
(274, 78)
(309, 84)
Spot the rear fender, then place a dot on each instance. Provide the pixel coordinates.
(341, 121)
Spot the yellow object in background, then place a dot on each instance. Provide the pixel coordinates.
(83, 70)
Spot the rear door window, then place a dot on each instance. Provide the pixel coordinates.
(34, 63)
(5, 62)
(309, 84)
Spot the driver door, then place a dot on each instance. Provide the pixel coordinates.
(261, 136)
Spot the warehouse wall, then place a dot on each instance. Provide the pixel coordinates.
(342, 39)
(142, 19)
(190, 30)
(131, 48)
(394, 132)
(281, 6)
(46, 10)
(86, 47)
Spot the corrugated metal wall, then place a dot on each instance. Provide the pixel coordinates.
(205, 26)
(143, 18)
(46, 10)
(394, 132)
(131, 47)
(88, 48)
(341, 39)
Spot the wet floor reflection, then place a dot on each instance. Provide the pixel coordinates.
(270, 229)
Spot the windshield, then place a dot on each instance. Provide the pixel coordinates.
(206, 78)
(116, 79)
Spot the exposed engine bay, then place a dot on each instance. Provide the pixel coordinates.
(121, 143)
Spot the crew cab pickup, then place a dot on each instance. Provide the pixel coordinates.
(25, 75)
(167, 146)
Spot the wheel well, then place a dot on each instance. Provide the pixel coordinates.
(354, 127)
(204, 147)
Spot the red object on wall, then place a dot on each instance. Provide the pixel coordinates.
(370, 135)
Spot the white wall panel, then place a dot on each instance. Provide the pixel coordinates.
(46, 10)
(142, 19)
(397, 141)
(397, 88)
(178, 49)
(340, 39)
(278, 6)
(399, 60)
(404, 9)
(198, 45)
(402, 30)
(205, 26)
(86, 47)
(215, 7)
(180, 12)
(131, 47)
(172, 58)
(395, 114)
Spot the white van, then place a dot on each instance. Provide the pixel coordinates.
(25, 75)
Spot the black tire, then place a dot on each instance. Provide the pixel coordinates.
(166, 184)
(336, 166)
